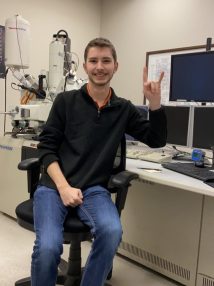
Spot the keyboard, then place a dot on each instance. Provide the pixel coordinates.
(189, 169)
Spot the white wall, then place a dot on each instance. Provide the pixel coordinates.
(80, 19)
(139, 26)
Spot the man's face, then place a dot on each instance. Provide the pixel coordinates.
(100, 65)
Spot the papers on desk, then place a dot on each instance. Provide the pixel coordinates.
(149, 155)
(150, 170)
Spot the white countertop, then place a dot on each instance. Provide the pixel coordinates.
(168, 177)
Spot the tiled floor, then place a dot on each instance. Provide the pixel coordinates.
(15, 252)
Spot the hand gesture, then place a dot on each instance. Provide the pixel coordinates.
(71, 196)
(152, 90)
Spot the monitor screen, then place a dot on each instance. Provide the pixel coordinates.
(177, 124)
(203, 132)
(192, 77)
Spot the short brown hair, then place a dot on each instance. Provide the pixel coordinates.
(100, 42)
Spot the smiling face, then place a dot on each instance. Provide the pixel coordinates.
(100, 66)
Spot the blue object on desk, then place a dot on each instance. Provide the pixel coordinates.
(198, 157)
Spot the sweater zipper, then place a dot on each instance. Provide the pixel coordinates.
(99, 109)
(102, 107)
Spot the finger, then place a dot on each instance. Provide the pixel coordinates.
(78, 201)
(147, 85)
(74, 204)
(80, 194)
(145, 74)
(153, 87)
(161, 77)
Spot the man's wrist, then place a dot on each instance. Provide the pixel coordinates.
(62, 187)
(154, 107)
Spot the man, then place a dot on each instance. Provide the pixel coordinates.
(77, 149)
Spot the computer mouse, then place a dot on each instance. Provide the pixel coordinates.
(200, 164)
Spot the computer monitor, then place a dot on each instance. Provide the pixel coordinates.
(192, 77)
(177, 124)
(203, 132)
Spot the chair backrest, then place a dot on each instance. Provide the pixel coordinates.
(120, 159)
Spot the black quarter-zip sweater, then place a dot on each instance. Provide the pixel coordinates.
(84, 140)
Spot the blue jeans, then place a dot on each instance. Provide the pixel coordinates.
(97, 211)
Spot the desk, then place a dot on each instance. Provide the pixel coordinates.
(169, 178)
(167, 225)
(13, 182)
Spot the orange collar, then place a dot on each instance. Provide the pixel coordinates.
(105, 100)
